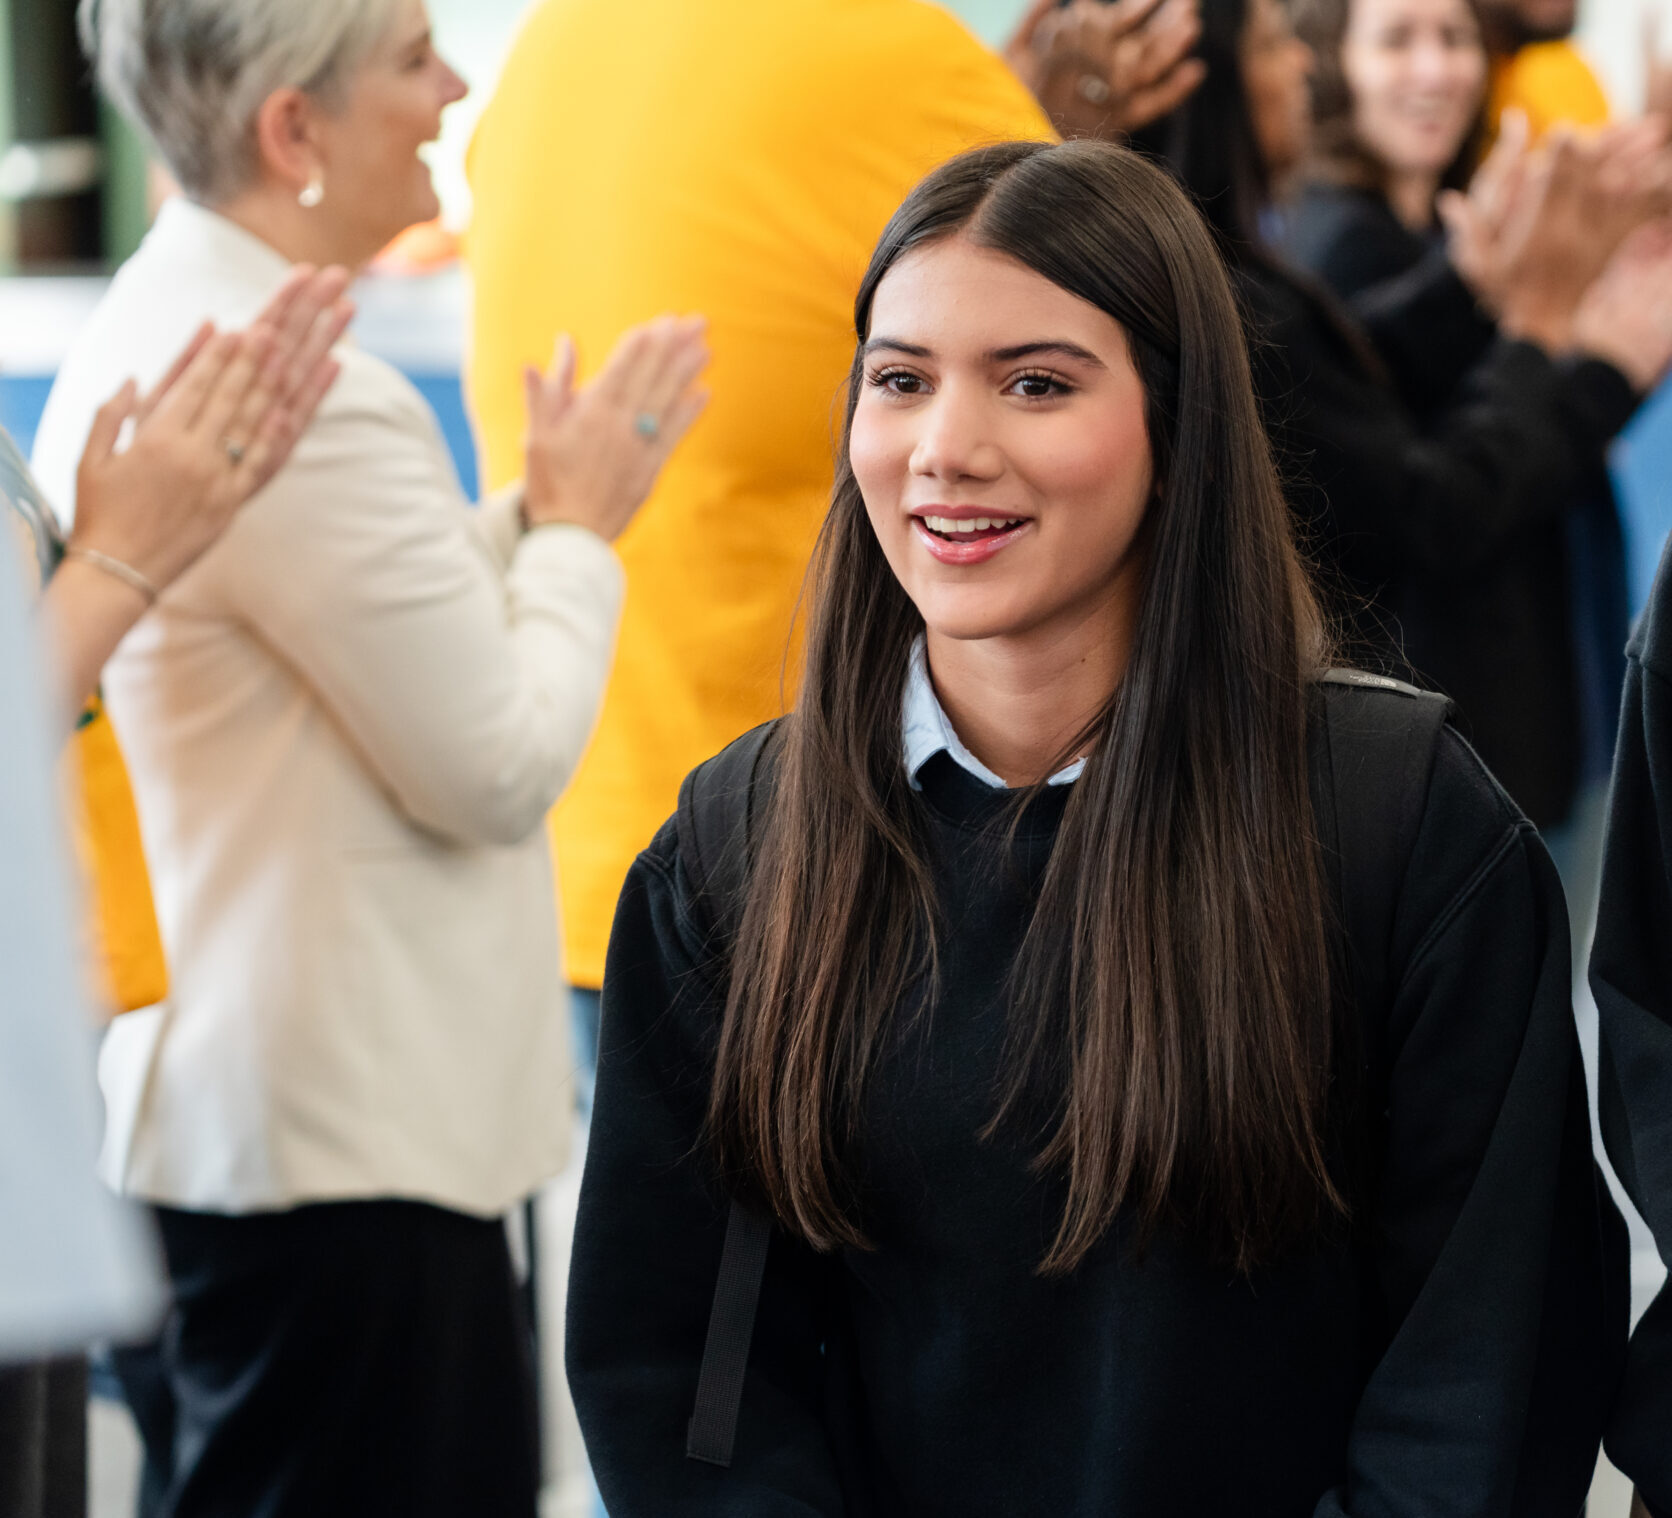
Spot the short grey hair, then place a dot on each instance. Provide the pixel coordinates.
(191, 74)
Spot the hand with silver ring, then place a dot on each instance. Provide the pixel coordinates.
(163, 475)
(594, 451)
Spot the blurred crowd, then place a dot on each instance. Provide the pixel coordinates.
(354, 770)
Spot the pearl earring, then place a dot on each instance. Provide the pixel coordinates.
(312, 193)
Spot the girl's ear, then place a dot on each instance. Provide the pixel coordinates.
(287, 140)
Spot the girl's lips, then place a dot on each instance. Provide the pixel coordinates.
(978, 551)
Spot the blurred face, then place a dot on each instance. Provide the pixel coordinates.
(1276, 65)
(1000, 444)
(1417, 72)
(376, 184)
(1523, 21)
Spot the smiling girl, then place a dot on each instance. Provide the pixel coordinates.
(1092, 1059)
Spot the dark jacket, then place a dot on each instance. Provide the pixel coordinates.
(1457, 482)
(1631, 974)
(1450, 1353)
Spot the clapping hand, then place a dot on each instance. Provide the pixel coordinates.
(214, 431)
(1104, 70)
(1539, 224)
(1626, 316)
(595, 452)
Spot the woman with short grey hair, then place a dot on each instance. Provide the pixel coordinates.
(345, 725)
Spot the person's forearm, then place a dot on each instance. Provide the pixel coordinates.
(84, 613)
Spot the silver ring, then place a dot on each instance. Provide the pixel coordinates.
(646, 425)
(1094, 88)
(234, 451)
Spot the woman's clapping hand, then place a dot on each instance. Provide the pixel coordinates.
(1104, 70)
(1539, 224)
(595, 451)
(1626, 316)
(212, 433)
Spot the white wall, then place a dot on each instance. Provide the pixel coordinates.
(474, 36)
(1611, 31)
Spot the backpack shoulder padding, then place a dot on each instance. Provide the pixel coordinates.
(1378, 738)
(718, 804)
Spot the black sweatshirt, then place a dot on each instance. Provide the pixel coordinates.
(1400, 285)
(1631, 974)
(1455, 1357)
(1439, 536)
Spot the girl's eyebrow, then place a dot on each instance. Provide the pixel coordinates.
(1061, 347)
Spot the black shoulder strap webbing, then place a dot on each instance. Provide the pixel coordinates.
(712, 1431)
(717, 805)
(716, 808)
(1381, 742)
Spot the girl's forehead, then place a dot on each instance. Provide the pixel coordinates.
(956, 289)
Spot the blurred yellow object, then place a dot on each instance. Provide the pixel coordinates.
(124, 948)
(1552, 83)
(736, 159)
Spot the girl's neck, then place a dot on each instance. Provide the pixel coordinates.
(1411, 196)
(1018, 702)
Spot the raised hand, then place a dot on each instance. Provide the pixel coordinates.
(213, 432)
(1626, 316)
(1540, 225)
(1476, 220)
(595, 452)
(1103, 70)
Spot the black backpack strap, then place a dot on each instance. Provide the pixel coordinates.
(718, 802)
(712, 1430)
(1370, 786)
(717, 806)
(1381, 736)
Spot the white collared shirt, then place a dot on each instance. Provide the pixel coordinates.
(928, 730)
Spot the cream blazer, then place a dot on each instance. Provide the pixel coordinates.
(344, 727)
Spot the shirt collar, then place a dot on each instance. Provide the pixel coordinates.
(927, 731)
(191, 236)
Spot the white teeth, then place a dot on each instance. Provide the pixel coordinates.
(966, 525)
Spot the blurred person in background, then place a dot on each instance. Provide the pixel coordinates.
(1536, 69)
(148, 510)
(345, 725)
(1631, 976)
(1415, 469)
(1533, 636)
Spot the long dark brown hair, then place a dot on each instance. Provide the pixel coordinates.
(1172, 995)
(1338, 155)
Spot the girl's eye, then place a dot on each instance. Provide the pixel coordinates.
(1039, 387)
(897, 381)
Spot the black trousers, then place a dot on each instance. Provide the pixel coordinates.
(346, 1360)
(43, 1439)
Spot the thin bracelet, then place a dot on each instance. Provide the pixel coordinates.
(126, 573)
